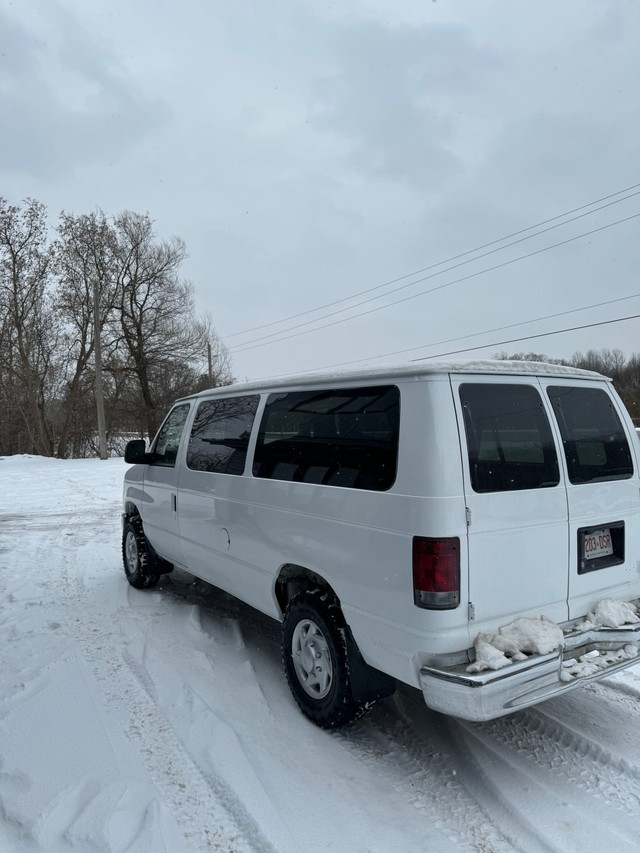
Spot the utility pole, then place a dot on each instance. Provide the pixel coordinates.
(99, 390)
(210, 365)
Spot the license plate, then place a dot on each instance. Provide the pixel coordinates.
(598, 544)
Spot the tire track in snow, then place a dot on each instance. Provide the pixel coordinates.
(500, 808)
(273, 741)
(618, 756)
(626, 691)
(418, 764)
(560, 748)
(223, 792)
(524, 793)
(207, 822)
(494, 776)
(420, 773)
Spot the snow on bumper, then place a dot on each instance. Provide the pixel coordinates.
(588, 655)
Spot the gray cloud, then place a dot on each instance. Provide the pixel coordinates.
(399, 92)
(305, 152)
(65, 102)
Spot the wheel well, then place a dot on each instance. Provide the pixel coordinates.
(366, 683)
(130, 509)
(293, 579)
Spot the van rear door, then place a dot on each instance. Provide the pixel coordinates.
(602, 492)
(516, 501)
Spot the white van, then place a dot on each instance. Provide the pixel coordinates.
(472, 530)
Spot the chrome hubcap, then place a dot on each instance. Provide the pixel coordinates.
(131, 552)
(312, 659)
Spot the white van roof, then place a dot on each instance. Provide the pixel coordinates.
(405, 371)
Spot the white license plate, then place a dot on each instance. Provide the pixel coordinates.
(598, 544)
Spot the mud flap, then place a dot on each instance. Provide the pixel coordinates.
(367, 683)
(158, 565)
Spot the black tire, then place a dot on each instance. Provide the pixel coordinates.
(137, 558)
(314, 654)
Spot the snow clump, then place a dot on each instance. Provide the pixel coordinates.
(609, 613)
(593, 661)
(514, 642)
(541, 636)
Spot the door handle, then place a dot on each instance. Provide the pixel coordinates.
(174, 503)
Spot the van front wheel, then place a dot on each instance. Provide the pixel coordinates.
(314, 654)
(136, 556)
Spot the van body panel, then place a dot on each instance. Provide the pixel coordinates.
(160, 518)
(429, 452)
(322, 535)
(217, 524)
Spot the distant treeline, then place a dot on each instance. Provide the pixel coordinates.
(54, 285)
(625, 372)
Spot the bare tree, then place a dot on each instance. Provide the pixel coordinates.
(28, 330)
(609, 362)
(85, 263)
(158, 324)
(528, 356)
(99, 273)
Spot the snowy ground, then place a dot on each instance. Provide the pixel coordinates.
(161, 722)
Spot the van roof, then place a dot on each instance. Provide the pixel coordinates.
(406, 371)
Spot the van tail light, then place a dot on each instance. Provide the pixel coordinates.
(436, 573)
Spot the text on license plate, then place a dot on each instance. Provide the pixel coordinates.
(598, 544)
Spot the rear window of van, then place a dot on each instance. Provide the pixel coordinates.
(595, 445)
(509, 439)
(341, 437)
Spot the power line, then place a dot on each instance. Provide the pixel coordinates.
(248, 347)
(446, 261)
(239, 347)
(424, 278)
(474, 334)
(487, 346)
(529, 337)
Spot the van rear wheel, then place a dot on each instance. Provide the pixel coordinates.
(314, 654)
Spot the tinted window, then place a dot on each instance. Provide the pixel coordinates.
(167, 442)
(594, 441)
(220, 435)
(509, 438)
(343, 437)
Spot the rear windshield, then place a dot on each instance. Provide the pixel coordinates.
(509, 438)
(343, 437)
(594, 442)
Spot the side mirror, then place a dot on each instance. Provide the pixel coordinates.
(135, 453)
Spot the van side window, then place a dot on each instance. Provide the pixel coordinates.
(509, 438)
(165, 449)
(220, 435)
(594, 442)
(342, 437)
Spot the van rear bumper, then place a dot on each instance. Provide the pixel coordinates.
(487, 695)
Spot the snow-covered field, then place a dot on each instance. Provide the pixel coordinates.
(161, 721)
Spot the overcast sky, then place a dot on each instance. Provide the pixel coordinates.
(308, 151)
